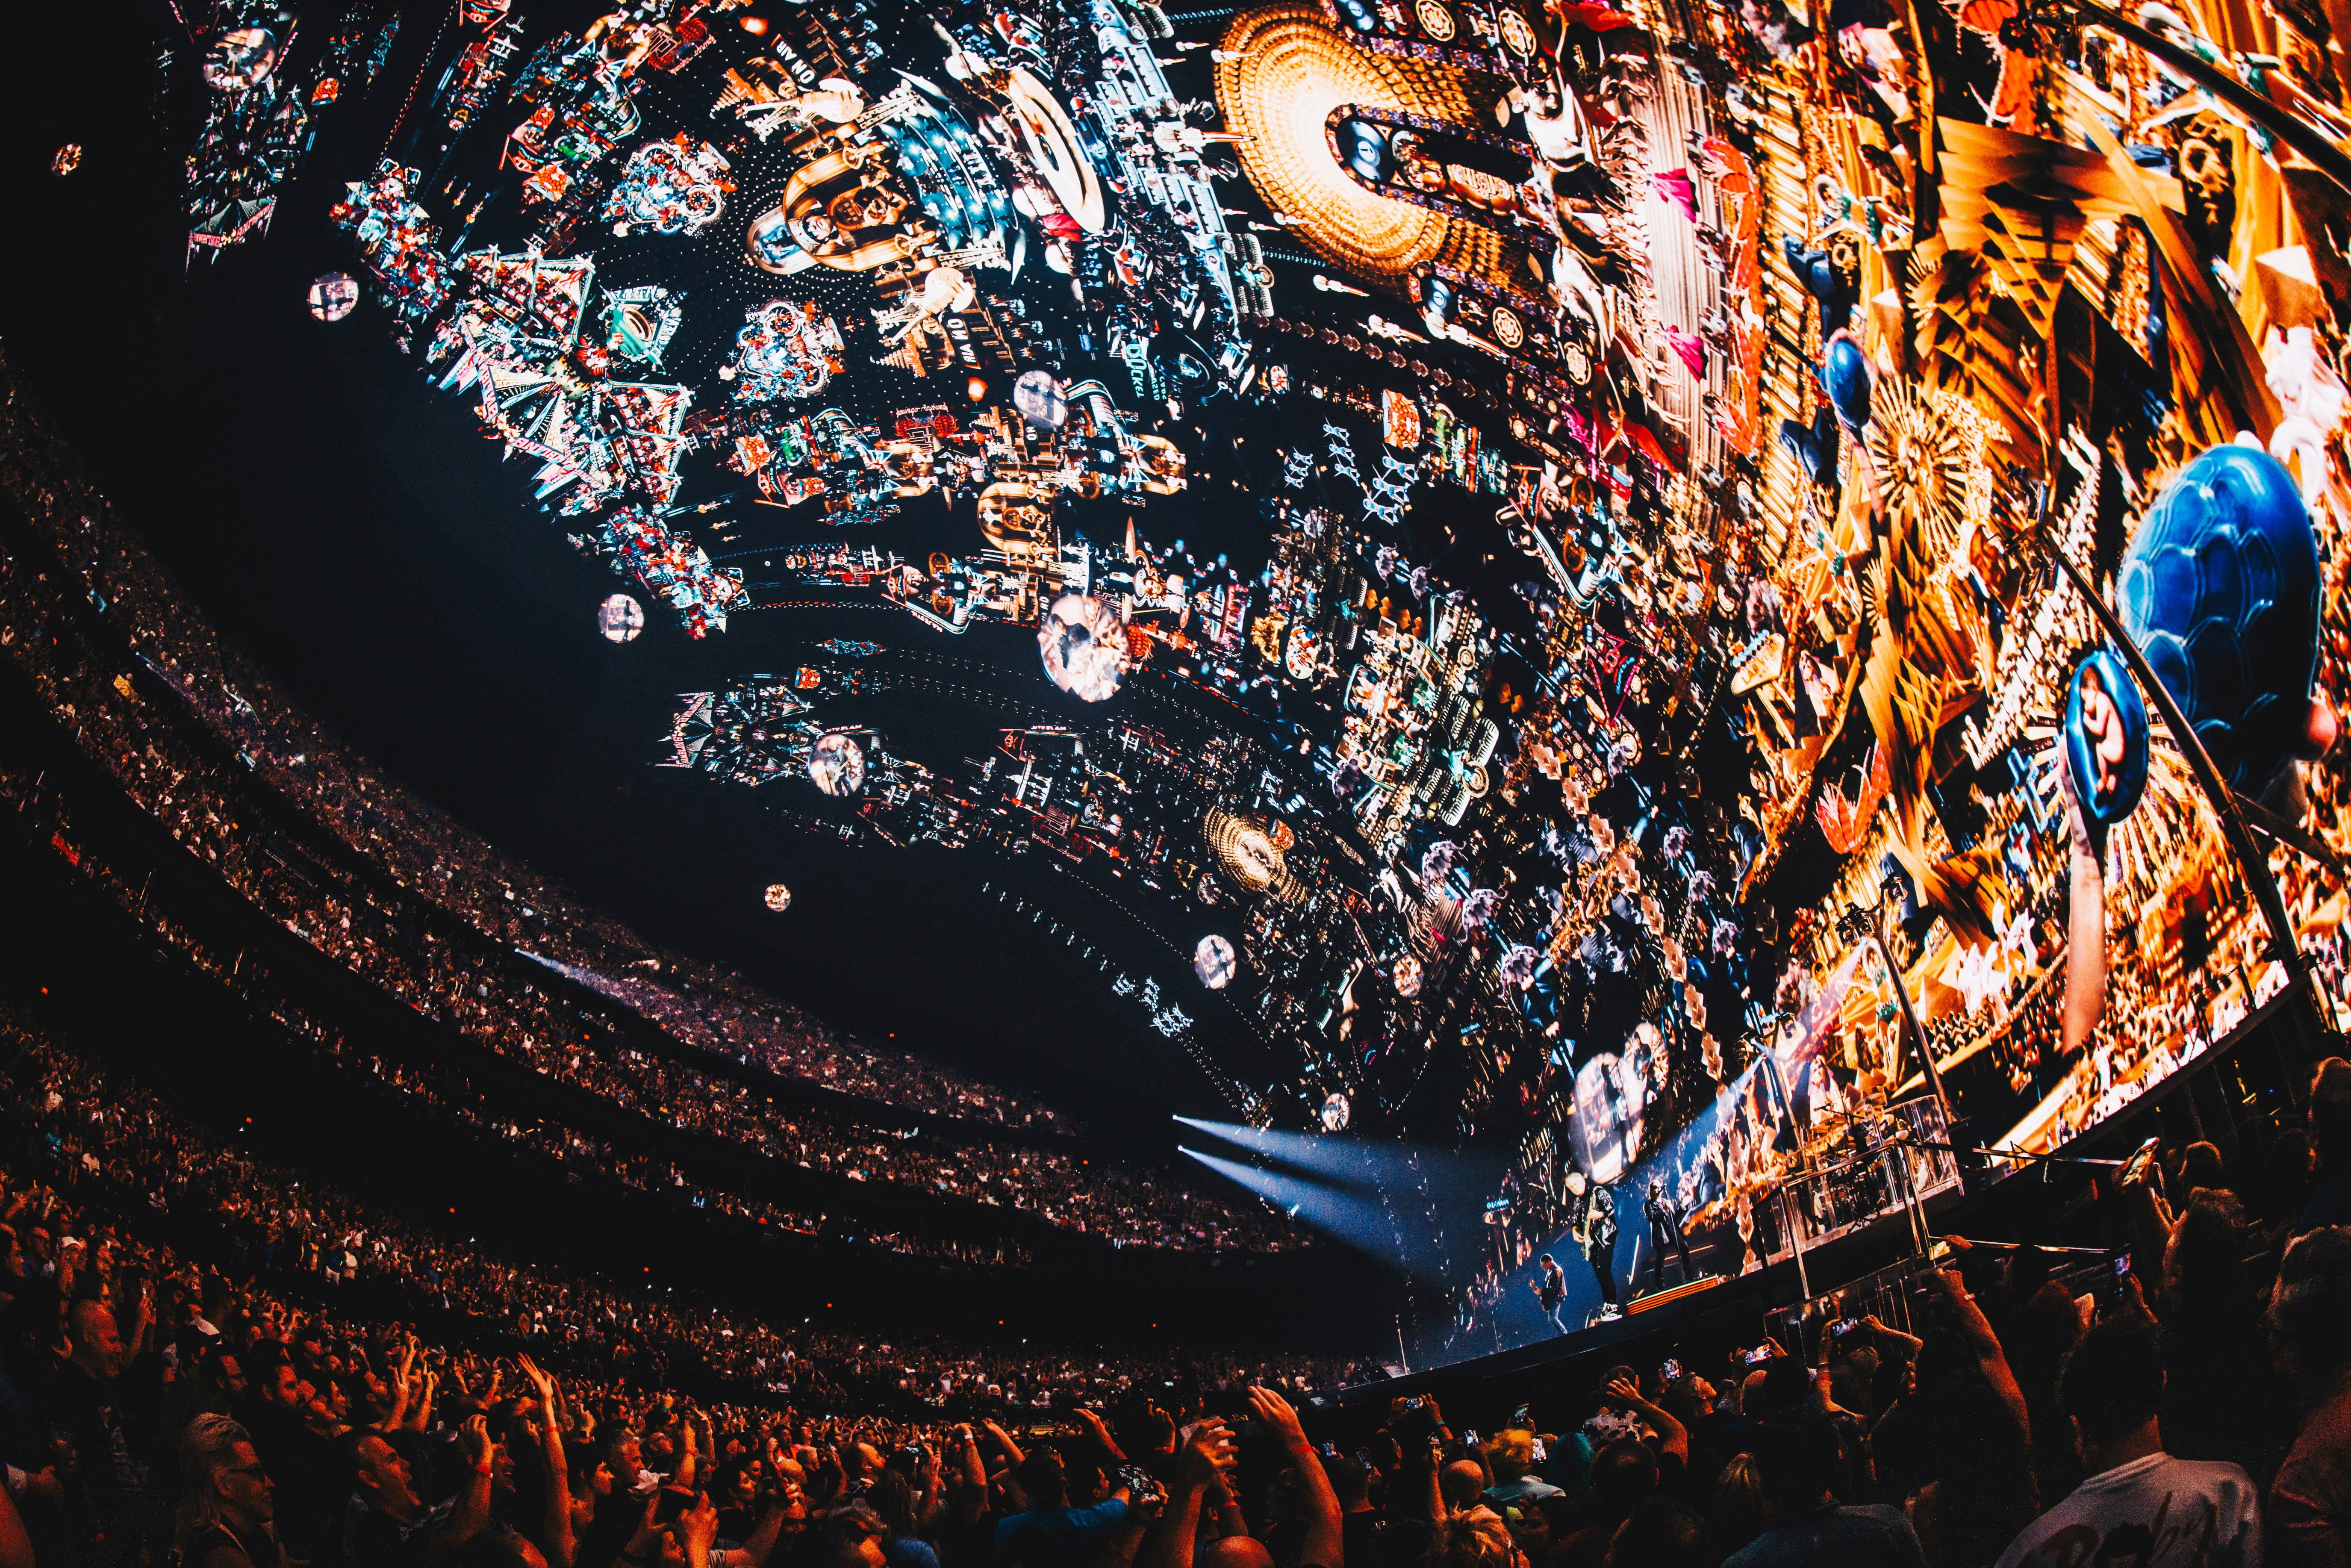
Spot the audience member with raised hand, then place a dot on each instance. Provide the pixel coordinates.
(1324, 1545)
(1206, 1453)
(460, 1409)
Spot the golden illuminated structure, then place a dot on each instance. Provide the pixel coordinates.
(1253, 852)
(1280, 70)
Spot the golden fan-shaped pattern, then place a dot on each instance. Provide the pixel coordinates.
(1293, 69)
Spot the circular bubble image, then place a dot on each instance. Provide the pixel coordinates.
(1249, 855)
(240, 60)
(777, 898)
(333, 295)
(619, 619)
(1334, 1113)
(1084, 646)
(2106, 737)
(1407, 973)
(836, 765)
(1214, 962)
(1040, 400)
(2220, 589)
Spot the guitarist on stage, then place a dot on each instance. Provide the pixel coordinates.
(1549, 1287)
(1595, 1229)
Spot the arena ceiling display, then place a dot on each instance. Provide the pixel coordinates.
(1518, 519)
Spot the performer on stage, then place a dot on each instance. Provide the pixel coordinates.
(1664, 1230)
(1550, 1289)
(1595, 1229)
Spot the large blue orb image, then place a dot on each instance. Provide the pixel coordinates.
(2220, 589)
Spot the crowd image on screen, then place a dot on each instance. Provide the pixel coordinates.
(432, 915)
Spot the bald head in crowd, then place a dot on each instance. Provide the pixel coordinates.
(97, 1342)
(1462, 1483)
(1235, 1551)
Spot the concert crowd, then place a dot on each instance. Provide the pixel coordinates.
(297, 1377)
(434, 918)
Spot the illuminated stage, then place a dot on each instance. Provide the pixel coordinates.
(1881, 1263)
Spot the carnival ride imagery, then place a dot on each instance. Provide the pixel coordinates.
(1539, 511)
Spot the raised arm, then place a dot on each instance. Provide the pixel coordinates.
(421, 1417)
(142, 1320)
(698, 1526)
(1909, 1342)
(764, 1534)
(1200, 1464)
(975, 1469)
(2085, 925)
(1675, 1435)
(1985, 1346)
(1230, 1520)
(555, 1523)
(928, 1493)
(403, 1391)
(1100, 1434)
(1325, 1542)
(471, 1513)
(1416, 1490)
(1010, 1447)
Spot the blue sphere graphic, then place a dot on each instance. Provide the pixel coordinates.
(2102, 670)
(2220, 589)
(1845, 376)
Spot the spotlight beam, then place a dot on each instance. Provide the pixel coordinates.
(1355, 1216)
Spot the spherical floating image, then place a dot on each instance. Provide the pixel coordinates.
(2220, 589)
(2106, 737)
(619, 619)
(240, 60)
(1249, 853)
(1084, 645)
(1846, 376)
(1214, 962)
(1040, 400)
(1406, 971)
(836, 765)
(1334, 1113)
(1182, 363)
(777, 898)
(67, 160)
(333, 295)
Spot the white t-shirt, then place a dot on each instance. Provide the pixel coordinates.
(2155, 1513)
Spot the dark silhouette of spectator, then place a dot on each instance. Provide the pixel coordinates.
(2111, 1390)
(2310, 1501)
